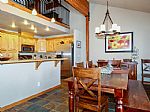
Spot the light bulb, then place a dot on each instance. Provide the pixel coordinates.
(35, 30)
(97, 30)
(53, 20)
(4, 1)
(13, 25)
(25, 22)
(32, 27)
(47, 28)
(34, 12)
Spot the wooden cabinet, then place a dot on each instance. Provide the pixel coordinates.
(50, 46)
(41, 45)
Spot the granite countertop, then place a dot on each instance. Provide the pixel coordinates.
(29, 61)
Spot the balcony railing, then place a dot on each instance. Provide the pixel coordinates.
(48, 9)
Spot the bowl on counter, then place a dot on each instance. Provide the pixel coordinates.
(4, 58)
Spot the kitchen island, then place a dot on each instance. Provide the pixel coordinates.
(21, 80)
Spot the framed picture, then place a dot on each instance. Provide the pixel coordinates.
(122, 42)
(78, 44)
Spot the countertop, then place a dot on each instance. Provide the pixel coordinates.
(29, 61)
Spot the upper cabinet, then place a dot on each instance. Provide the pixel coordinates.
(41, 45)
(8, 42)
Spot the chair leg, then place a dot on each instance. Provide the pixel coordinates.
(106, 106)
(77, 105)
(142, 79)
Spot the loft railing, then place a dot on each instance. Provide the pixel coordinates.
(48, 8)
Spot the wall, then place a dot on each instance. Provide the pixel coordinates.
(78, 26)
(129, 20)
(19, 81)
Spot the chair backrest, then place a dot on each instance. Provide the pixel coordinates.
(145, 64)
(84, 79)
(80, 64)
(127, 60)
(89, 64)
(115, 63)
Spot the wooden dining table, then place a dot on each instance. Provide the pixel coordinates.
(116, 83)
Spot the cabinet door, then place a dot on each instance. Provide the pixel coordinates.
(4, 42)
(41, 45)
(12, 42)
(50, 45)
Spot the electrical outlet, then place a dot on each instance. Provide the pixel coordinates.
(38, 84)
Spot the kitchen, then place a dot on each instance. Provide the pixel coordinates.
(31, 64)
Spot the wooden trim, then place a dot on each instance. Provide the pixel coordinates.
(81, 5)
(28, 98)
(87, 38)
(39, 15)
(12, 33)
(61, 37)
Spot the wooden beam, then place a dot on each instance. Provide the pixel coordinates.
(81, 5)
(87, 38)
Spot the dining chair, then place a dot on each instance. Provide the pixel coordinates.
(115, 63)
(80, 64)
(89, 64)
(87, 93)
(145, 65)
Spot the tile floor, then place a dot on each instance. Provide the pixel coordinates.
(54, 101)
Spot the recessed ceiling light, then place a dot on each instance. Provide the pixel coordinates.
(25, 22)
(35, 30)
(13, 25)
(32, 27)
(47, 28)
(4, 1)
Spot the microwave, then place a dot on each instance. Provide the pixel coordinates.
(27, 48)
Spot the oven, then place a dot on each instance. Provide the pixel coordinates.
(27, 48)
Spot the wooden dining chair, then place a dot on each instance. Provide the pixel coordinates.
(89, 64)
(145, 65)
(80, 64)
(87, 93)
(115, 63)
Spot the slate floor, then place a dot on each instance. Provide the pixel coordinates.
(54, 101)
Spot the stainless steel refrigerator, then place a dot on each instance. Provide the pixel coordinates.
(66, 51)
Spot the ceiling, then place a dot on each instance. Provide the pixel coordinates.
(6, 20)
(138, 5)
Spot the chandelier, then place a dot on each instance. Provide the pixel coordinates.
(108, 27)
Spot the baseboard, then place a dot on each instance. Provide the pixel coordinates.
(26, 99)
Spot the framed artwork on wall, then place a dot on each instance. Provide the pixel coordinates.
(78, 44)
(122, 42)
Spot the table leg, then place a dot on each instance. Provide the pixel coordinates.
(71, 96)
(119, 100)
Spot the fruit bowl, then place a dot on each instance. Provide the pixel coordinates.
(4, 58)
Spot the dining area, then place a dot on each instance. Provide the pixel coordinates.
(90, 84)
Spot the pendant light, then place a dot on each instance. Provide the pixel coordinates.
(34, 12)
(53, 19)
(108, 27)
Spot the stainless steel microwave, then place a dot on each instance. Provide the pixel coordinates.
(27, 48)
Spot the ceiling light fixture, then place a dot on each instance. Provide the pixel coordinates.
(108, 27)
(53, 19)
(4, 1)
(35, 30)
(13, 25)
(32, 27)
(25, 22)
(34, 12)
(47, 28)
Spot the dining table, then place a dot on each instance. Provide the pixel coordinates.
(114, 83)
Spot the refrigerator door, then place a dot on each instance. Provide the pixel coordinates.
(66, 65)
